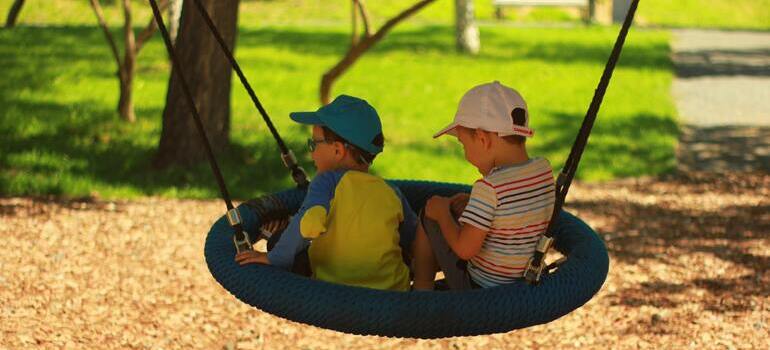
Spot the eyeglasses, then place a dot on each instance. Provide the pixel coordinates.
(313, 143)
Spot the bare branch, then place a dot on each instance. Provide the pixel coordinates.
(354, 23)
(103, 24)
(128, 36)
(128, 69)
(364, 17)
(13, 13)
(364, 45)
(150, 29)
(401, 16)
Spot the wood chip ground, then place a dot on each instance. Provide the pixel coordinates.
(689, 259)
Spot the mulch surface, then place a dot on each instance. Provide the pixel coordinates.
(688, 269)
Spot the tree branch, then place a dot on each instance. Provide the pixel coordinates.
(364, 17)
(364, 45)
(354, 23)
(128, 69)
(13, 13)
(150, 29)
(103, 24)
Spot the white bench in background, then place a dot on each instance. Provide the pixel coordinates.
(586, 5)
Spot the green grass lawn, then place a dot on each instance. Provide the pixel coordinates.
(731, 14)
(62, 136)
(728, 14)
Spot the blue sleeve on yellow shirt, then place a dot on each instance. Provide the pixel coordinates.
(320, 193)
(408, 227)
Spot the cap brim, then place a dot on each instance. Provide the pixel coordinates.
(310, 118)
(451, 129)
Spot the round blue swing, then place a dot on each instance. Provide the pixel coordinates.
(411, 314)
(401, 314)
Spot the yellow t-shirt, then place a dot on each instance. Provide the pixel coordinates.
(356, 242)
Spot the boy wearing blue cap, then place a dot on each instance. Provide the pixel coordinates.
(354, 224)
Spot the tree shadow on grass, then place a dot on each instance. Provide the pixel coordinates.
(622, 147)
(118, 161)
(92, 144)
(58, 148)
(94, 149)
(440, 40)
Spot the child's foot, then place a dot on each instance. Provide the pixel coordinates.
(422, 285)
(251, 257)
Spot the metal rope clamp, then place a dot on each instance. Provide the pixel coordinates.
(561, 179)
(534, 269)
(297, 173)
(289, 160)
(241, 244)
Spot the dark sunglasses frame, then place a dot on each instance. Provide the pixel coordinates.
(313, 143)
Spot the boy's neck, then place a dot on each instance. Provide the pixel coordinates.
(350, 164)
(506, 156)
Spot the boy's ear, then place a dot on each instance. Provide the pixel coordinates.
(484, 137)
(339, 150)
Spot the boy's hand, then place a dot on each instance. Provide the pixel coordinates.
(251, 257)
(437, 207)
(459, 201)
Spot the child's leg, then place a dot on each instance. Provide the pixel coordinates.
(424, 262)
(441, 256)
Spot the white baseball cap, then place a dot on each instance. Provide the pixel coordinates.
(490, 107)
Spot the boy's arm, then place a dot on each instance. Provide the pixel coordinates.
(288, 246)
(467, 238)
(308, 223)
(320, 193)
(408, 226)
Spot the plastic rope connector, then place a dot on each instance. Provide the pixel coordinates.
(536, 263)
(242, 244)
(234, 217)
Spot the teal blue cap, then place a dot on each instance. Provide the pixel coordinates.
(353, 119)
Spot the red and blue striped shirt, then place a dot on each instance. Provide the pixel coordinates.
(513, 204)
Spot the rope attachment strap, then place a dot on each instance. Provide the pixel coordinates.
(240, 238)
(241, 243)
(536, 263)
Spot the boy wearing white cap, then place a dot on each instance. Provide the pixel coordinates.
(507, 210)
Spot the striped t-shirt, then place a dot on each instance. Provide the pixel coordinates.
(513, 204)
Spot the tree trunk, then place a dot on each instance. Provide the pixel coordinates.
(174, 14)
(208, 74)
(128, 68)
(13, 13)
(591, 17)
(619, 10)
(467, 33)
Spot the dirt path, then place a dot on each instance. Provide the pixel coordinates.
(689, 260)
(722, 93)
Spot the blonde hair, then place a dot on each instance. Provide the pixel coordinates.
(511, 139)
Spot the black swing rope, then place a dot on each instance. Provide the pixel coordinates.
(241, 239)
(536, 264)
(297, 173)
